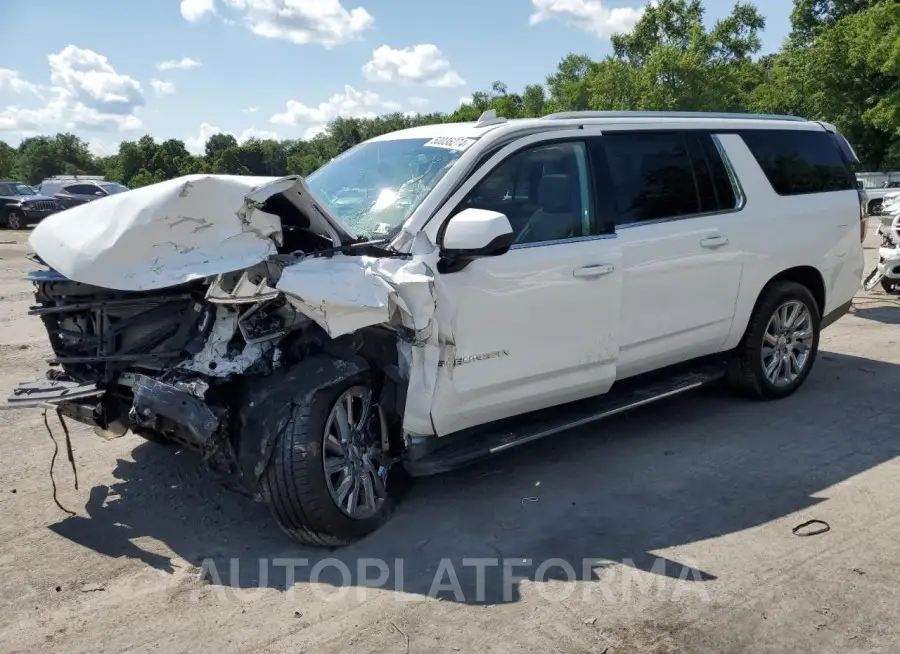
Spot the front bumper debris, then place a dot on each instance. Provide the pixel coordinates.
(42, 392)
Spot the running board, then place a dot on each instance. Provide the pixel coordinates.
(471, 445)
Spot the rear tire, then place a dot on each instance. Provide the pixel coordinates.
(303, 498)
(890, 285)
(779, 348)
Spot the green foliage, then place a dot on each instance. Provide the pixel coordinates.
(840, 64)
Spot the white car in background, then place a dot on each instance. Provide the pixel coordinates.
(506, 281)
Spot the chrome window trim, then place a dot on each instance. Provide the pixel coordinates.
(562, 241)
(740, 198)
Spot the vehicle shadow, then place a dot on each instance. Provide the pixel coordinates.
(685, 470)
(888, 315)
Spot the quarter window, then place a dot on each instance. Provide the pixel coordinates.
(798, 162)
(544, 192)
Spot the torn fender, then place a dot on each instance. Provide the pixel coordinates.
(175, 231)
(346, 293)
(271, 404)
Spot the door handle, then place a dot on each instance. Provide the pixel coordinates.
(714, 242)
(594, 270)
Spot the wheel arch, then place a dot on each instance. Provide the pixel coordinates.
(807, 276)
(265, 407)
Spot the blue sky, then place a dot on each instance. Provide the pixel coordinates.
(110, 70)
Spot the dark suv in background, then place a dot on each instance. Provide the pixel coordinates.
(21, 205)
(73, 190)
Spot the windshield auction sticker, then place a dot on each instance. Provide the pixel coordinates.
(457, 143)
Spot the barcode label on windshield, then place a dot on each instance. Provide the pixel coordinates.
(450, 142)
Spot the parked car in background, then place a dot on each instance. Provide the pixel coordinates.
(21, 205)
(74, 190)
(875, 196)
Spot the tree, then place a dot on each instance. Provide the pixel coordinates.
(217, 144)
(810, 18)
(672, 62)
(7, 160)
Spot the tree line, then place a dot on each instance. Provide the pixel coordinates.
(840, 64)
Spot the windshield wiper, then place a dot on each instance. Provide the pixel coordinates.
(354, 248)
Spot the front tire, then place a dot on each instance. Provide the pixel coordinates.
(15, 220)
(890, 285)
(780, 345)
(326, 482)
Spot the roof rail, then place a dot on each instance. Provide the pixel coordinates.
(489, 117)
(667, 114)
(100, 178)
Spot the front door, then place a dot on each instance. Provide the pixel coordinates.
(537, 326)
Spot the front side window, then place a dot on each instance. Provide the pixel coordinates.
(374, 187)
(544, 192)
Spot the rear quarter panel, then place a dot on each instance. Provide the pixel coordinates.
(776, 233)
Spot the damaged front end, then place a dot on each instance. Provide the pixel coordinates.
(186, 340)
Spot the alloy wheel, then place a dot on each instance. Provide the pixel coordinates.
(786, 344)
(352, 454)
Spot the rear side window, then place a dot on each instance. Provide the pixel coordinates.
(798, 162)
(660, 175)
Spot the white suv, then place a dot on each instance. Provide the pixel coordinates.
(440, 294)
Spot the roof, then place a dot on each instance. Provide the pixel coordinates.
(711, 120)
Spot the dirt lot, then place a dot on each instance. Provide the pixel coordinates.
(666, 530)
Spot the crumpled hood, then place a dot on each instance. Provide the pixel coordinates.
(176, 231)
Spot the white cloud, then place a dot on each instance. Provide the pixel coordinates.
(11, 80)
(324, 22)
(161, 87)
(588, 15)
(86, 92)
(417, 101)
(250, 110)
(102, 147)
(418, 64)
(194, 10)
(466, 99)
(197, 144)
(259, 134)
(348, 104)
(181, 64)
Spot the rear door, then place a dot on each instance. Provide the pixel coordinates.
(676, 210)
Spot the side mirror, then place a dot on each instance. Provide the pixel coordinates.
(472, 234)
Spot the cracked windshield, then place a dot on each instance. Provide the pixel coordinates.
(375, 186)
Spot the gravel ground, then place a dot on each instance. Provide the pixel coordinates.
(666, 530)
